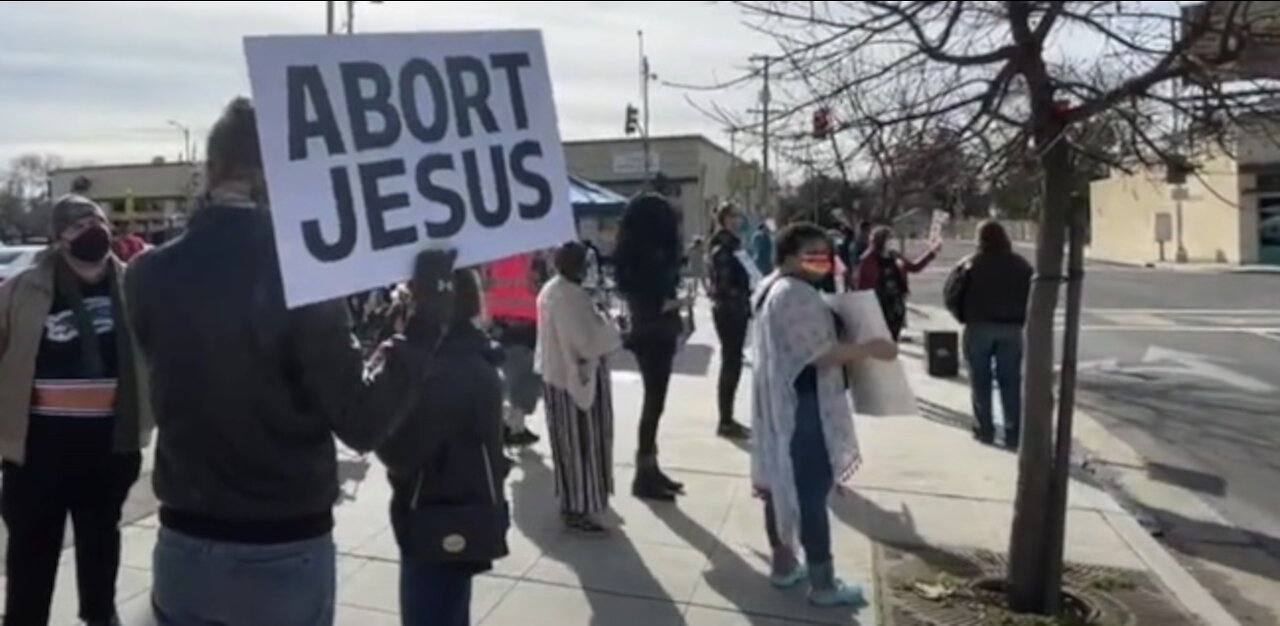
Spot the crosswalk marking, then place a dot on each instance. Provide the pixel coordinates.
(1135, 319)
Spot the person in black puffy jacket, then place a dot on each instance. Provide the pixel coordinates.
(446, 463)
(993, 287)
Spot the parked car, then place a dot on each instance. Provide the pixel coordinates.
(16, 258)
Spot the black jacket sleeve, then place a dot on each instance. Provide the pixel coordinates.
(730, 283)
(361, 404)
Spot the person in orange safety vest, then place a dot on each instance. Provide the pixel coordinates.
(511, 302)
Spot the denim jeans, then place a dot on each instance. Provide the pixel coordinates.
(522, 384)
(997, 347)
(814, 482)
(210, 583)
(434, 594)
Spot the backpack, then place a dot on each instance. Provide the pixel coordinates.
(953, 291)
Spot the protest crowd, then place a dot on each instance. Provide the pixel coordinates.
(248, 396)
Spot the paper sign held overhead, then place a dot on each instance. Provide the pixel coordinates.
(938, 225)
(379, 146)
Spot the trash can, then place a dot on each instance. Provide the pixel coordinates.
(942, 353)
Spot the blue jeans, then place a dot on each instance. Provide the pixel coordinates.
(434, 594)
(210, 583)
(522, 384)
(814, 481)
(998, 347)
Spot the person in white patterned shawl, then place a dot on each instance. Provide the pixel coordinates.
(805, 444)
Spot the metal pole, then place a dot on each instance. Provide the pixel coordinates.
(765, 101)
(328, 11)
(1060, 479)
(644, 94)
(351, 17)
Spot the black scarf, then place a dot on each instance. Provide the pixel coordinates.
(67, 285)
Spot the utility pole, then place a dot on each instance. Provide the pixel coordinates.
(765, 101)
(329, 17)
(646, 75)
(187, 151)
(351, 17)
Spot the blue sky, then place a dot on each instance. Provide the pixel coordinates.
(99, 81)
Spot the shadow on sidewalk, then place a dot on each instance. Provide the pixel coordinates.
(893, 529)
(530, 498)
(727, 566)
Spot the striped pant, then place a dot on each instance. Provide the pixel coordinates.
(582, 447)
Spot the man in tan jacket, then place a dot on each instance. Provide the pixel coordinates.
(73, 416)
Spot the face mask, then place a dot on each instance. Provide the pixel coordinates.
(817, 264)
(91, 246)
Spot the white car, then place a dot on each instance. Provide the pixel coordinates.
(15, 259)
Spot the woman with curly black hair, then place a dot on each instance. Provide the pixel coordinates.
(647, 264)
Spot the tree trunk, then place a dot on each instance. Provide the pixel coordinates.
(1028, 574)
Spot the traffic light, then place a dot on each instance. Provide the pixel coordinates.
(822, 123)
(633, 120)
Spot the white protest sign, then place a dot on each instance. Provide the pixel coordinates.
(379, 146)
(939, 224)
(876, 388)
(753, 273)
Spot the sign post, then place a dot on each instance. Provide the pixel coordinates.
(379, 146)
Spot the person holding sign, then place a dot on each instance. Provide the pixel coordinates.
(249, 396)
(805, 444)
(886, 271)
(647, 265)
(731, 309)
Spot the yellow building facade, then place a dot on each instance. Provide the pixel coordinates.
(1227, 212)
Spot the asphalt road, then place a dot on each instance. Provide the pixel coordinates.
(1183, 367)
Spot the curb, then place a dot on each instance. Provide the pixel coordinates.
(1176, 579)
(1181, 585)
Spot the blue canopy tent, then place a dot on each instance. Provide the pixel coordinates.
(592, 200)
(596, 213)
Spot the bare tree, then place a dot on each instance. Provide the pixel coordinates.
(28, 176)
(1020, 83)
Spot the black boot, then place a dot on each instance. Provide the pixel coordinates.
(649, 483)
(673, 486)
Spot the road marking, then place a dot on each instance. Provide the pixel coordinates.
(1162, 361)
(1134, 319)
(1252, 330)
(1103, 311)
(1272, 335)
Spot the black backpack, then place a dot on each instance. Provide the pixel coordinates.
(953, 292)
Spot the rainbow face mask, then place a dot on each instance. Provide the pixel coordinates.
(819, 264)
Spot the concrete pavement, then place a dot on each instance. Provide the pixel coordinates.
(1178, 378)
(702, 562)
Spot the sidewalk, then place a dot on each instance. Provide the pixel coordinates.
(703, 561)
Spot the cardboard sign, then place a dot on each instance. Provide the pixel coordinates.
(379, 146)
(876, 388)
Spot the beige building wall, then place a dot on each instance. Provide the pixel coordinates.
(159, 191)
(697, 169)
(1126, 209)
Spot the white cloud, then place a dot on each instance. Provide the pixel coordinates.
(98, 81)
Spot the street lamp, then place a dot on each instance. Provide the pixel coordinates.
(186, 140)
(330, 26)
